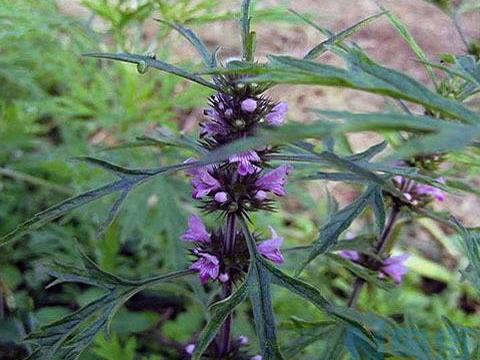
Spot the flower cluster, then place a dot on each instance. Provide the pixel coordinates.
(214, 263)
(392, 267)
(416, 193)
(243, 183)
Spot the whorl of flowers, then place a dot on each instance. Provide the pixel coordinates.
(244, 183)
(415, 193)
(392, 267)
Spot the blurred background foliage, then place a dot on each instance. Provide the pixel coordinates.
(56, 105)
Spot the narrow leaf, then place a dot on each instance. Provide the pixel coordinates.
(407, 36)
(219, 312)
(340, 36)
(199, 45)
(156, 64)
(338, 223)
(259, 292)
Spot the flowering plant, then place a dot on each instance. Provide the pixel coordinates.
(244, 155)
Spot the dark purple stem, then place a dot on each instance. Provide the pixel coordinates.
(229, 244)
(379, 249)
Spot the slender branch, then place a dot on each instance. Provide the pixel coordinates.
(382, 245)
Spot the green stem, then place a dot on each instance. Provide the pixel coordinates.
(224, 338)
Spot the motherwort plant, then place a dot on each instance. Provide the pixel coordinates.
(243, 183)
(244, 155)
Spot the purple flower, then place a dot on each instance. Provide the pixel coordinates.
(432, 191)
(275, 180)
(256, 357)
(414, 191)
(271, 248)
(243, 340)
(394, 267)
(214, 127)
(223, 277)
(275, 117)
(221, 197)
(350, 255)
(196, 231)
(189, 349)
(244, 161)
(249, 105)
(202, 181)
(260, 195)
(207, 266)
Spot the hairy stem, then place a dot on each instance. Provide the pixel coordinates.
(382, 244)
(224, 338)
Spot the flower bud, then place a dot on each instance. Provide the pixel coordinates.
(223, 277)
(190, 348)
(221, 197)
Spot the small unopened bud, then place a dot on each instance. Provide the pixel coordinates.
(239, 123)
(243, 340)
(247, 204)
(223, 277)
(221, 197)
(152, 201)
(233, 207)
(349, 235)
(256, 357)
(261, 195)
(240, 85)
(249, 105)
(190, 348)
(228, 112)
(407, 196)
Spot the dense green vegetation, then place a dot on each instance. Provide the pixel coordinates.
(57, 106)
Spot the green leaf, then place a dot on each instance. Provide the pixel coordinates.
(68, 337)
(60, 209)
(368, 154)
(197, 43)
(378, 206)
(458, 336)
(362, 272)
(362, 74)
(307, 334)
(339, 222)
(471, 245)
(260, 297)
(407, 36)
(340, 36)
(441, 136)
(164, 136)
(259, 292)
(130, 178)
(148, 61)
(296, 286)
(219, 312)
(335, 347)
(293, 132)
